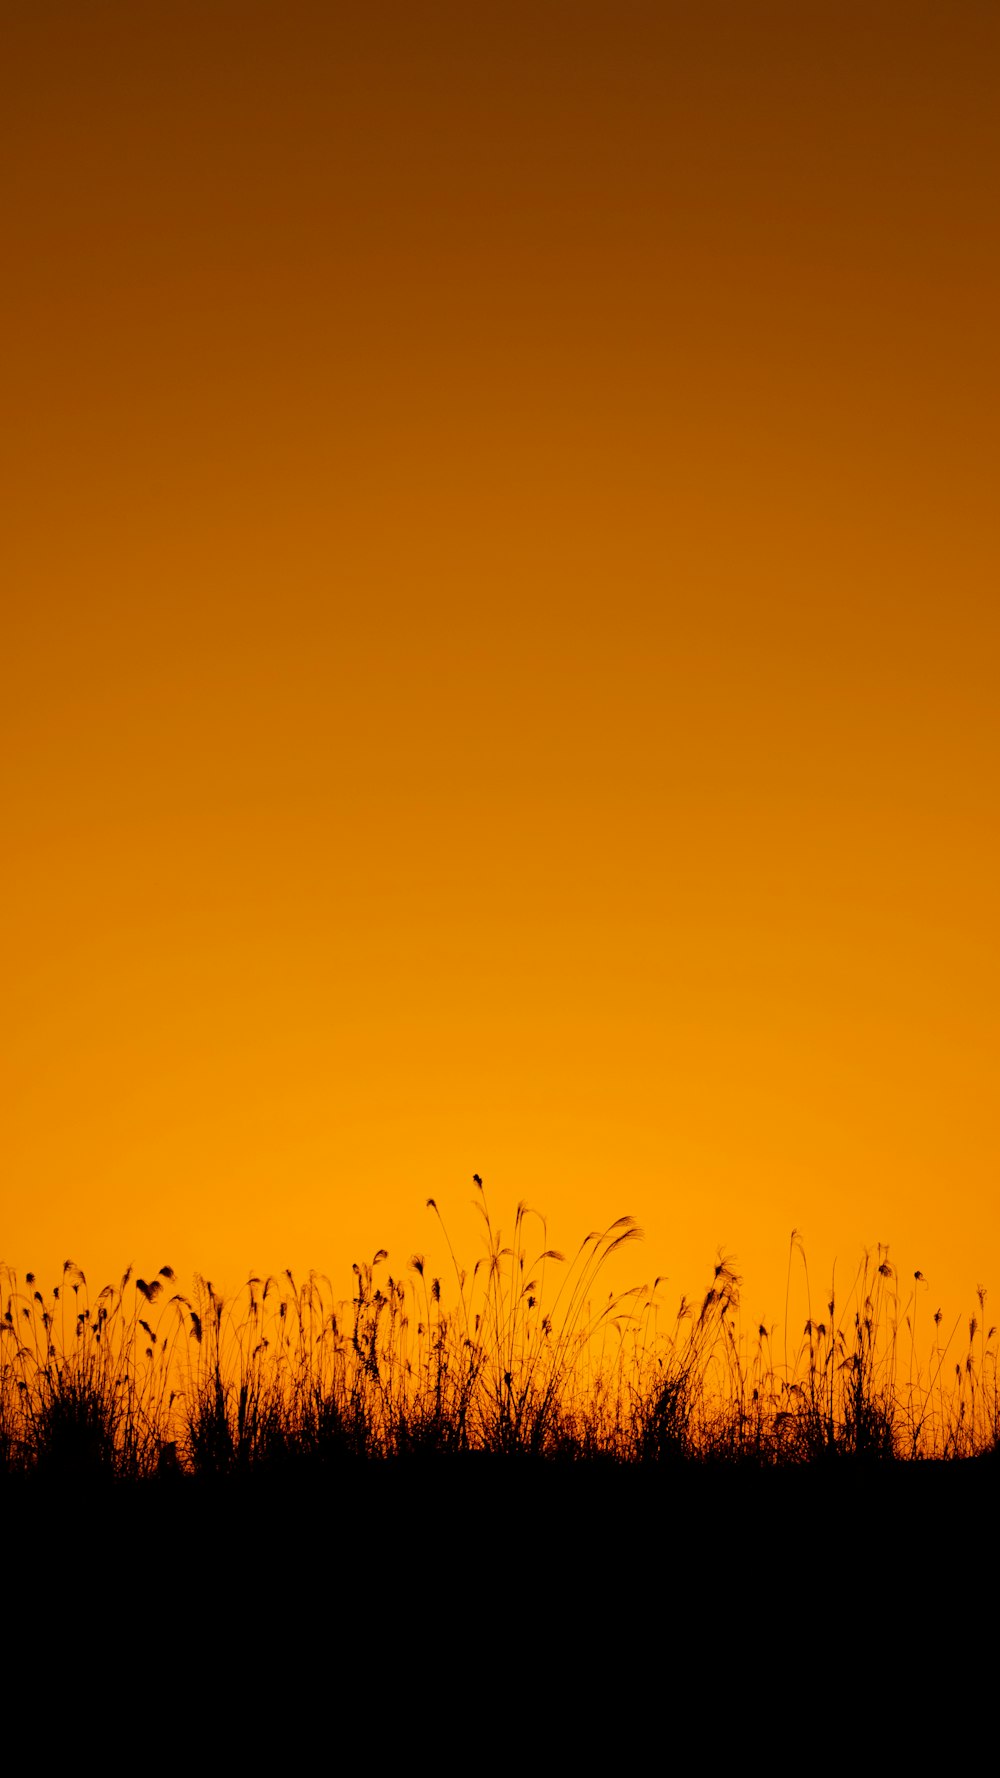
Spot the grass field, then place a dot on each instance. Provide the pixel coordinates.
(446, 1501)
(522, 1355)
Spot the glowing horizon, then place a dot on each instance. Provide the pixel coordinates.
(501, 645)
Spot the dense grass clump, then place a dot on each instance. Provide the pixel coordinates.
(519, 1356)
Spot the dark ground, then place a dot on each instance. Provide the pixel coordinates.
(503, 1598)
(821, 1536)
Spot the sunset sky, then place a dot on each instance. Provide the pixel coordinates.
(501, 639)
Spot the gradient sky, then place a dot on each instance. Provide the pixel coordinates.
(501, 643)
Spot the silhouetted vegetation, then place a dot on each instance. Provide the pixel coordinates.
(518, 1356)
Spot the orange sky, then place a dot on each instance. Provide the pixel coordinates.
(501, 639)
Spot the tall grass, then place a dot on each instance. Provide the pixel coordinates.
(523, 1354)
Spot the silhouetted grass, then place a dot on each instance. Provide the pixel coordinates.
(517, 1357)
